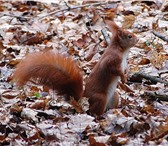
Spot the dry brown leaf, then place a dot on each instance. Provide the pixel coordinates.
(16, 109)
(143, 45)
(95, 17)
(158, 132)
(2, 138)
(76, 105)
(73, 50)
(94, 143)
(22, 7)
(33, 135)
(14, 62)
(33, 39)
(155, 25)
(9, 94)
(157, 59)
(39, 104)
(161, 131)
(119, 139)
(1, 8)
(80, 42)
(60, 124)
(1, 45)
(144, 61)
(60, 119)
(90, 52)
(125, 87)
(149, 109)
(135, 68)
(128, 21)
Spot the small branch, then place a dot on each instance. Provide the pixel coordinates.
(155, 96)
(36, 39)
(138, 76)
(67, 6)
(160, 35)
(160, 136)
(20, 18)
(75, 7)
(105, 35)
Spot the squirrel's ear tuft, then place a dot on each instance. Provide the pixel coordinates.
(112, 26)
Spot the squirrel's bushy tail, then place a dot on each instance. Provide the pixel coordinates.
(52, 70)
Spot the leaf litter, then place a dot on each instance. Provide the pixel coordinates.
(34, 115)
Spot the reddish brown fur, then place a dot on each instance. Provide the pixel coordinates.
(53, 70)
(104, 76)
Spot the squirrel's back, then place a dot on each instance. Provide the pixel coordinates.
(55, 71)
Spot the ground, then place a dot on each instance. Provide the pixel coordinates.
(33, 115)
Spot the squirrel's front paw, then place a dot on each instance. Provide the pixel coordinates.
(123, 79)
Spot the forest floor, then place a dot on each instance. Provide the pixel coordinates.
(31, 116)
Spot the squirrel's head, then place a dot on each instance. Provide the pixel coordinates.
(123, 38)
(126, 39)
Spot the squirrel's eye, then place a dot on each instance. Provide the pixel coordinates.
(129, 36)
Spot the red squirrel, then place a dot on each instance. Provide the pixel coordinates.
(63, 75)
(102, 81)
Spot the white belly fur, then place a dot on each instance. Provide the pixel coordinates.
(113, 84)
(111, 90)
(124, 62)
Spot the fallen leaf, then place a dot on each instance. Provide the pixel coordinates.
(128, 21)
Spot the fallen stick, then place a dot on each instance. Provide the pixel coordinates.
(160, 35)
(75, 7)
(139, 76)
(154, 95)
(105, 35)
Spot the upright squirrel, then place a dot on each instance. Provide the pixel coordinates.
(63, 75)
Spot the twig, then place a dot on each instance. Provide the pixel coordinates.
(160, 35)
(153, 79)
(155, 96)
(105, 35)
(36, 39)
(67, 5)
(75, 7)
(160, 136)
(20, 18)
